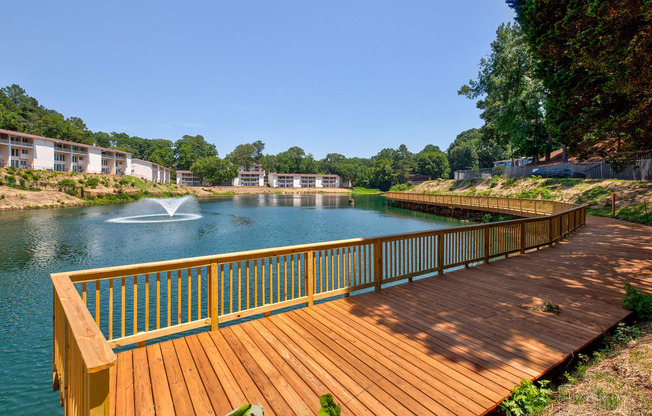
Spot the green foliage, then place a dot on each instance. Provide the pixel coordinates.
(247, 410)
(361, 190)
(401, 187)
(214, 170)
(433, 164)
(93, 182)
(595, 62)
(499, 170)
(622, 336)
(328, 406)
(549, 307)
(535, 193)
(511, 97)
(641, 213)
(68, 186)
(639, 302)
(527, 399)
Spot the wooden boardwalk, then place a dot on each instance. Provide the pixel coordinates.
(449, 345)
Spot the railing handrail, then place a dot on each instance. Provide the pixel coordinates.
(152, 267)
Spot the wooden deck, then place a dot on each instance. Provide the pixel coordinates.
(449, 345)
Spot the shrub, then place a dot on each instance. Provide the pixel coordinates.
(639, 302)
(498, 170)
(68, 186)
(527, 399)
(401, 187)
(92, 182)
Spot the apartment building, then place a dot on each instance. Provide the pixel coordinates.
(28, 151)
(299, 180)
(187, 178)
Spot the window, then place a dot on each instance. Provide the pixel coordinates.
(14, 152)
(24, 151)
(59, 158)
(81, 158)
(105, 163)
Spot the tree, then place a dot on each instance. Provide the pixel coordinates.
(295, 160)
(259, 146)
(332, 163)
(188, 149)
(213, 170)
(433, 164)
(463, 157)
(430, 148)
(512, 97)
(383, 174)
(595, 60)
(404, 163)
(243, 155)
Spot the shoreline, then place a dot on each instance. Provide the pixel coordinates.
(13, 199)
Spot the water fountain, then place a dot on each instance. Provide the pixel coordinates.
(170, 205)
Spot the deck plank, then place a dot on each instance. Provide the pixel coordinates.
(451, 344)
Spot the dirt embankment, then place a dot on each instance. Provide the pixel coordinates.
(595, 192)
(28, 189)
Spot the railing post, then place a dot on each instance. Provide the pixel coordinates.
(99, 389)
(212, 296)
(378, 264)
(440, 253)
(522, 237)
(550, 230)
(309, 276)
(486, 244)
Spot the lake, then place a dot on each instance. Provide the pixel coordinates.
(36, 243)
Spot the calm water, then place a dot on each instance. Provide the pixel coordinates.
(36, 243)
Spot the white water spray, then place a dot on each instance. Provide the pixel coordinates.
(170, 205)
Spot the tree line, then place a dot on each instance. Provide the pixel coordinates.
(20, 112)
(570, 73)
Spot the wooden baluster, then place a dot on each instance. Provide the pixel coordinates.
(285, 277)
(356, 265)
(189, 301)
(278, 279)
(231, 288)
(168, 278)
(97, 302)
(135, 284)
(321, 270)
(146, 301)
(248, 305)
(220, 268)
(111, 309)
(440, 253)
(122, 309)
(178, 297)
(239, 286)
(292, 273)
(262, 290)
(84, 293)
(256, 283)
(158, 300)
(347, 279)
(199, 292)
(332, 278)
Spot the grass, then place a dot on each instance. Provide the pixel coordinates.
(641, 214)
(361, 190)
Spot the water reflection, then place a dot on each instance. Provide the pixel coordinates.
(36, 243)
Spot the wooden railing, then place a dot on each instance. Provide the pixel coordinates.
(515, 206)
(96, 310)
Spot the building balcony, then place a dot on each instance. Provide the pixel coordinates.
(4, 141)
(21, 144)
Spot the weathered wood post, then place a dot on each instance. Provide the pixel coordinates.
(522, 237)
(440, 253)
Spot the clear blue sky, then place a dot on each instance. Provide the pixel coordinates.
(343, 76)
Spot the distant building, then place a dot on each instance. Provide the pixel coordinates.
(28, 151)
(252, 176)
(519, 161)
(187, 178)
(300, 180)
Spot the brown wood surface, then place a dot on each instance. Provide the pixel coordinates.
(453, 344)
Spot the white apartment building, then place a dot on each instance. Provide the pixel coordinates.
(28, 151)
(249, 178)
(187, 178)
(299, 180)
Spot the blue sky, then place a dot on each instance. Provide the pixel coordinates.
(350, 77)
